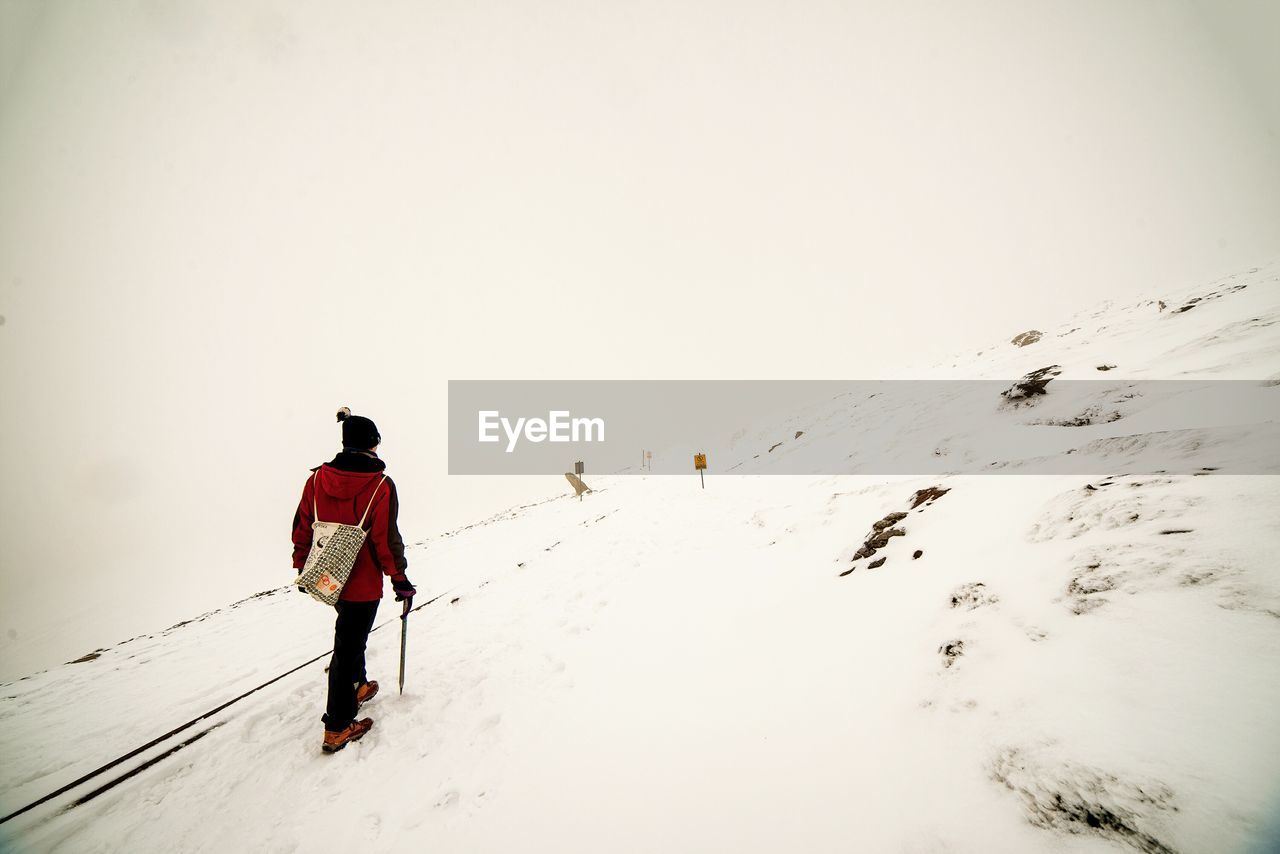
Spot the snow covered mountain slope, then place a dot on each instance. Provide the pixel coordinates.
(1040, 663)
(1224, 330)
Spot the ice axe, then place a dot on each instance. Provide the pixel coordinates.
(404, 636)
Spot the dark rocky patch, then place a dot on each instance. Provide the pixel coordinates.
(777, 445)
(878, 540)
(1177, 531)
(885, 535)
(917, 554)
(883, 530)
(88, 657)
(1086, 585)
(888, 521)
(950, 651)
(1105, 367)
(1022, 339)
(799, 433)
(1032, 384)
(1212, 295)
(927, 495)
(1077, 799)
(972, 595)
(877, 563)
(1092, 415)
(881, 533)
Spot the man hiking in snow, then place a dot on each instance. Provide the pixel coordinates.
(341, 490)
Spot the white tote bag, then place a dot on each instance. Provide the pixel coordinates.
(334, 549)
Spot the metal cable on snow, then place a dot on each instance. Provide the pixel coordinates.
(150, 744)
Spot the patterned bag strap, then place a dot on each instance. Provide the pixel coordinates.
(360, 524)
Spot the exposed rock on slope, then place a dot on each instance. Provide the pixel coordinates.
(1032, 384)
(1078, 799)
(884, 529)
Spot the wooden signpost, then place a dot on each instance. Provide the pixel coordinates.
(576, 482)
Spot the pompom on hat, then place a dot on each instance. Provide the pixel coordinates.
(358, 432)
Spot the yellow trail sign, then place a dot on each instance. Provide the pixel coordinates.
(699, 461)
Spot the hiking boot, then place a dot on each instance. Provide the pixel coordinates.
(335, 741)
(366, 692)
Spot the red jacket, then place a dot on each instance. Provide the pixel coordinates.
(345, 486)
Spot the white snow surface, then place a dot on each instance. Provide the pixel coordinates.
(1072, 664)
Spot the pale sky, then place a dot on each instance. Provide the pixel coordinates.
(219, 221)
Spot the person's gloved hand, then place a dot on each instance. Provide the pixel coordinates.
(403, 587)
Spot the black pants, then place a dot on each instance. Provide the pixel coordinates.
(346, 668)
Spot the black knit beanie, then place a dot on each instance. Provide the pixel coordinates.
(358, 433)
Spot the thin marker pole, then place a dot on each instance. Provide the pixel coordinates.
(404, 637)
